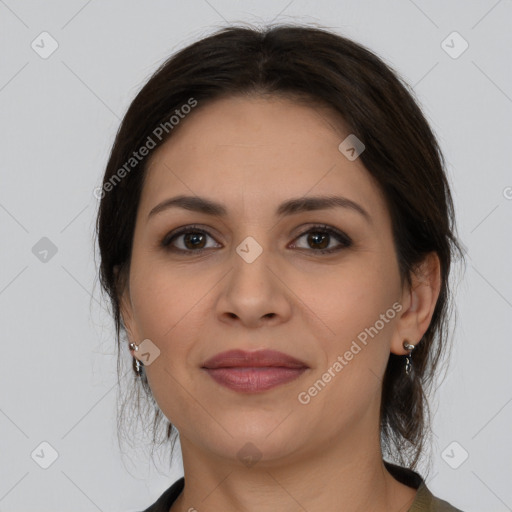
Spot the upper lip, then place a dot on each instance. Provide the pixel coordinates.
(258, 358)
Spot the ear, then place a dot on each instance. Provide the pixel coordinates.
(418, 304)
(126, 309)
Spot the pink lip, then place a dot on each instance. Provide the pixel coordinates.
(253, 371)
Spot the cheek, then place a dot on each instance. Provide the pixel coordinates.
(350, 298)
(337, 302)
(166, 309)
(161, 297)
(355, 356)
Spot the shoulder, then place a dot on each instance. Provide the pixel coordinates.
(424, 501)
(169, 496)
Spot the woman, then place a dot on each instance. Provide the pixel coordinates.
(276, 232)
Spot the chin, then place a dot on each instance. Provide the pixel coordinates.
(258, 442)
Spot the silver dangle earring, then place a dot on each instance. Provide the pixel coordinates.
(408, 362)
(137, 365)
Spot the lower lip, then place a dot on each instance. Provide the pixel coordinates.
(253, 379)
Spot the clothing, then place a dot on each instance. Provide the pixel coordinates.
(425, 501)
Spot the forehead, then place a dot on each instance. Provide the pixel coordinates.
(259, 150)
(255, 123)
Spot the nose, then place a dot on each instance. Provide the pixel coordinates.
(254, 294)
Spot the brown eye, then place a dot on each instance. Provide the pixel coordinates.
(188, 239)
(195, 239)
(319, 240)
(320, 237)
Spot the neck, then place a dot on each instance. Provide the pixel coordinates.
(346, 474)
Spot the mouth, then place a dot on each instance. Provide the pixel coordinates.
(250, 372)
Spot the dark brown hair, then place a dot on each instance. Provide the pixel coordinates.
(315, 65)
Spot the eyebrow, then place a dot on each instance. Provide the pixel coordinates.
(289, 207)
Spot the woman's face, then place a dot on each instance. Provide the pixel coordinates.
(254, 279)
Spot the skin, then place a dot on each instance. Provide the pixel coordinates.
(251, 154)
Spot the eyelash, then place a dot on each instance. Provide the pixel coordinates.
(324, 229)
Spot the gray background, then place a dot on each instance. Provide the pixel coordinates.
(58, 119)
